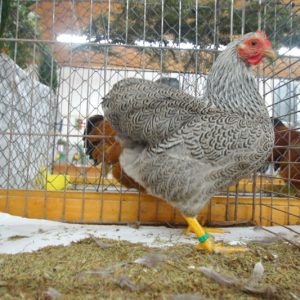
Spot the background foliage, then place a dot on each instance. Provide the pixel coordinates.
(17, 20)
(204, 15)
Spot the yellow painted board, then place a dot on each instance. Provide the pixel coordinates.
(93, 181)
(92, 175)
(93, 207)
(73, 170)
(265, 184)
(129, 211)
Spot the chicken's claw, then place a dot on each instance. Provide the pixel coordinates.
(218, 248)
(206, 242)
(210, 247)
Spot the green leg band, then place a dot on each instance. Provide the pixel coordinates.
(203, 238)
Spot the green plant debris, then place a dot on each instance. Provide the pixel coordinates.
(121, 270)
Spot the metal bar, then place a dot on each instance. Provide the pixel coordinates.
(196, 43)
(283, 69)
(236, 201)
(294, 112)
(108, 21)
(231, 20)
(161, 64)
(1, 5)
(144, 38)
(83, 203)
(17, 31)
(279, 86)
(227, 212)
(103, 45)
(126, 37)
(284, 226)
(254, 196)
(277, 209)
(259, 15)
(216, 24)
(68, 117)
(243, 17)
(278, 194)
(51, 134)
(281, 237)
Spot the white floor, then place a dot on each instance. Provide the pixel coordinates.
(25, 235)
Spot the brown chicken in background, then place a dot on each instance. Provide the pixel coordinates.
(286, 152)
(105, 148)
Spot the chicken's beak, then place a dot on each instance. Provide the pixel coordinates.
(270, 53)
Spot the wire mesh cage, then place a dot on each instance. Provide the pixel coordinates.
(60, 58)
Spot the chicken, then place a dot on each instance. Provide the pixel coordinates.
(185, 149)
(286, 153)
(100, 144)
(98, 126)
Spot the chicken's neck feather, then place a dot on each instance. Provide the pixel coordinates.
(231, 85)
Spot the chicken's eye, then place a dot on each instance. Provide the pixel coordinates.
(253, 43)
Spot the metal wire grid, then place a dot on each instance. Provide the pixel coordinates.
(283, 95)
(146, 39)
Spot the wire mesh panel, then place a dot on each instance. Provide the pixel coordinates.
(59, 157)
(281, 90)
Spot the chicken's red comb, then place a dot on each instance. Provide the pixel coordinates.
(264, 35)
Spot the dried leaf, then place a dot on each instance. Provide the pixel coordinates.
(264, 290)
(249, 286)
(219, 278)
(52, 294)
(124, 282)
(102, 245)
(151, 260)
(3, 283)
(109, 271)
(253, 286)
(294, 296)
(187, 297)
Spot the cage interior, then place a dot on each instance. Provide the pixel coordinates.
(60, 58)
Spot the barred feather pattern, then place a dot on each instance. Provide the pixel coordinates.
(185, 149)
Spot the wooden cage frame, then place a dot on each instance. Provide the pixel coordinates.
(132, 207)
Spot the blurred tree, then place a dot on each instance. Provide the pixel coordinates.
(18, 21)
(205, 24)
(26, 27)
(195, 23)
(47, 68)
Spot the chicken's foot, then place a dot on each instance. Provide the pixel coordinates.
(206, 242)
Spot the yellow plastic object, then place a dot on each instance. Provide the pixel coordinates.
(52, 182)
(57, 182)
(76, 157)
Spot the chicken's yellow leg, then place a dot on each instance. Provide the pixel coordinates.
(206, 242)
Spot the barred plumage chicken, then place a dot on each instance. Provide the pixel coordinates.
(185, 149)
